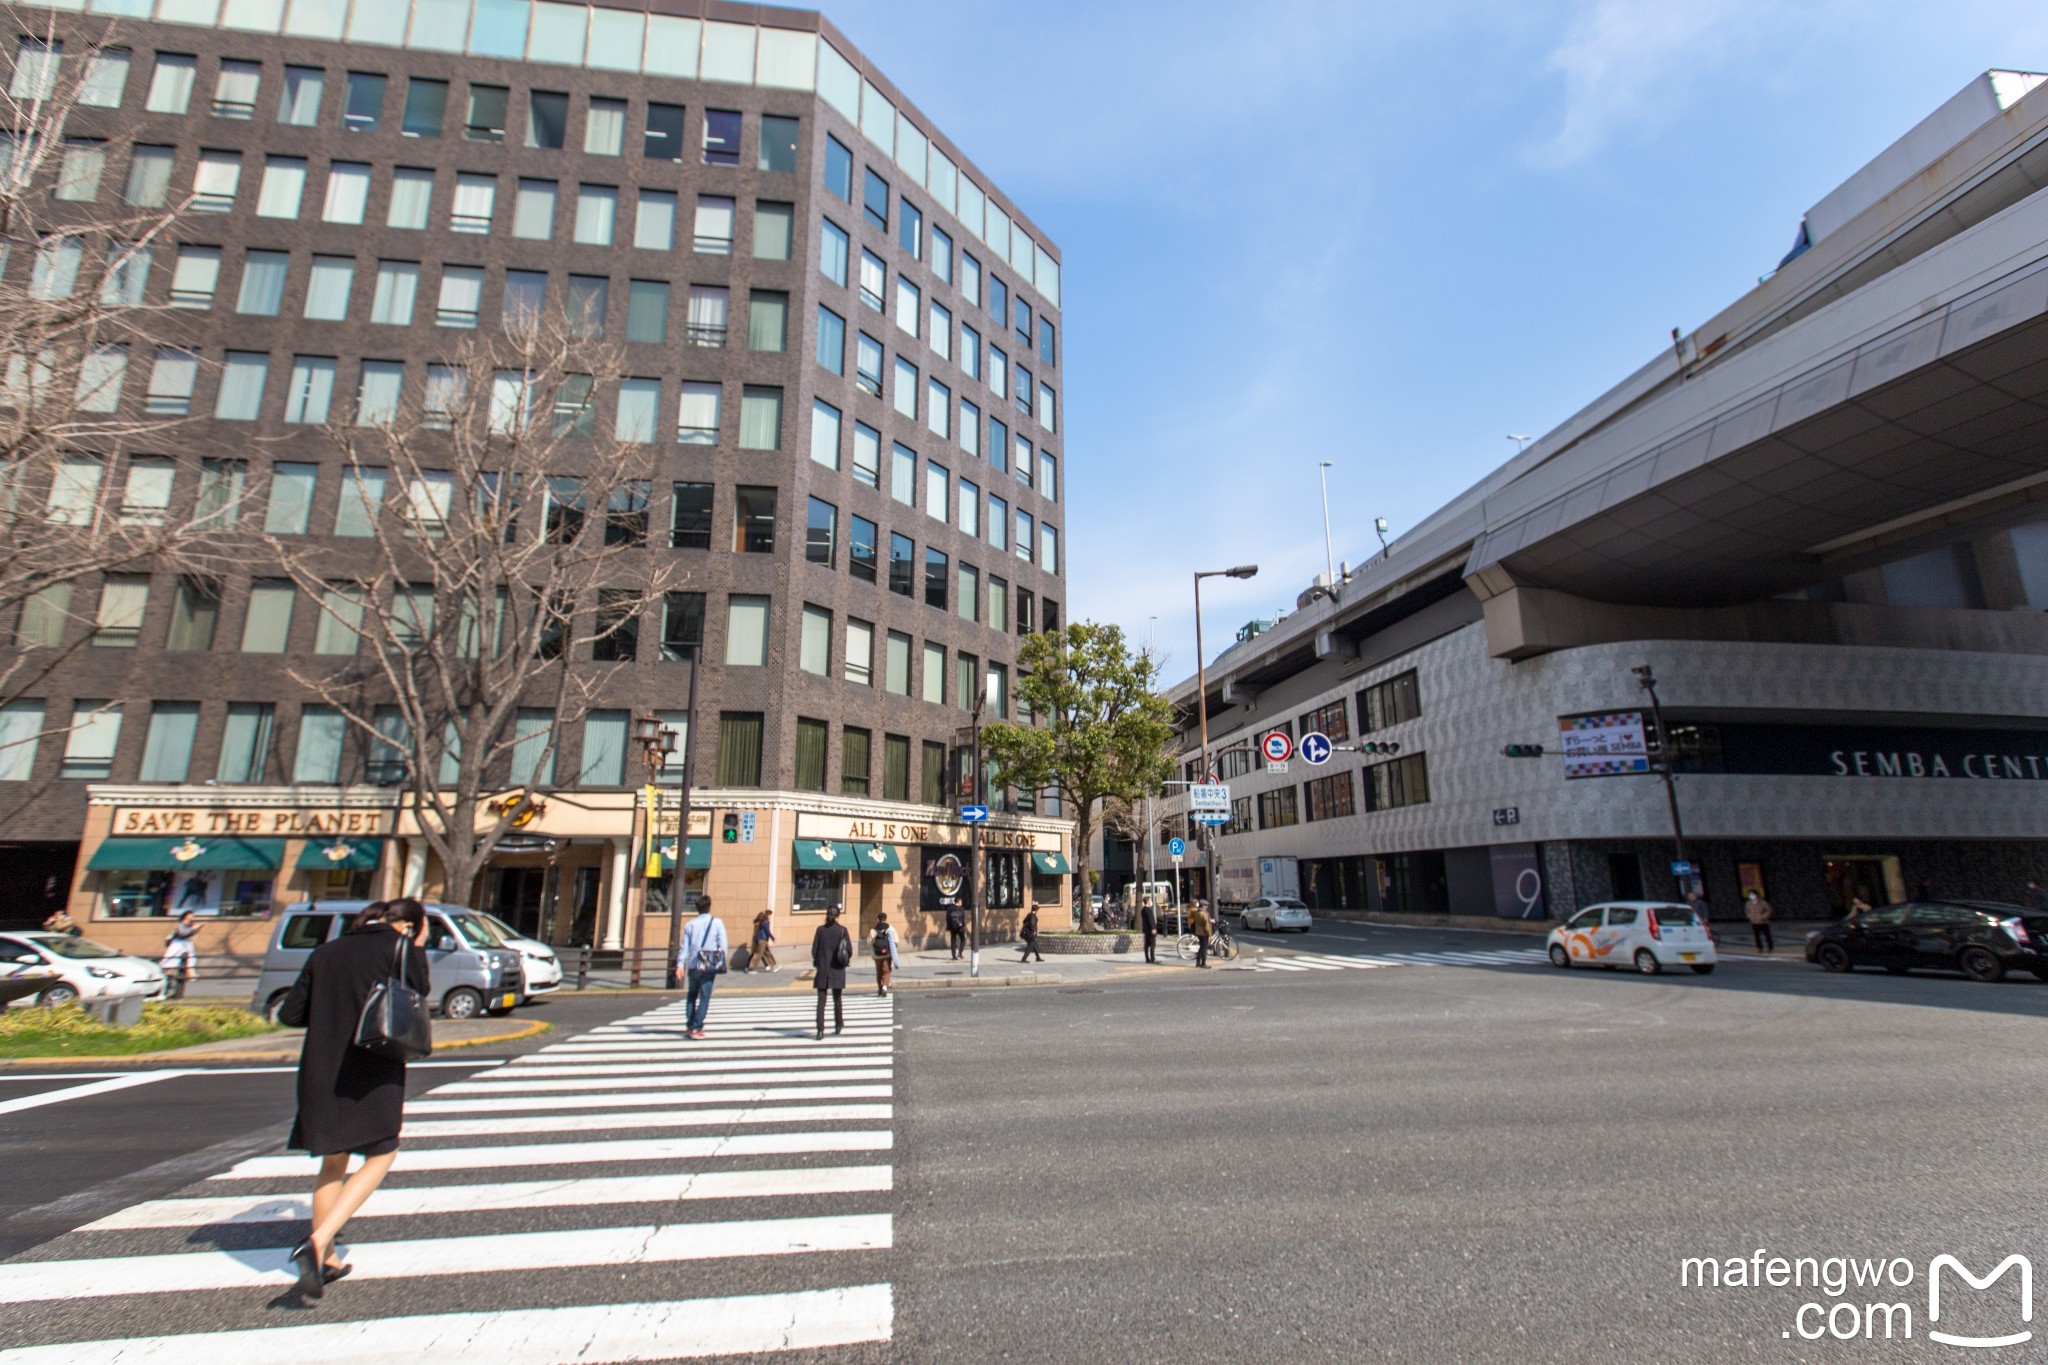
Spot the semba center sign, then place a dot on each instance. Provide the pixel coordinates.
(1874, 751)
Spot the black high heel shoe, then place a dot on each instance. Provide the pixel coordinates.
(312, 1275)
(331, 1273)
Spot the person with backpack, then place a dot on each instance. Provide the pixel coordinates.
(884, 948)
(831, 955)
(956, 929)
(1029, 932)
(763, 955)
(702, 960)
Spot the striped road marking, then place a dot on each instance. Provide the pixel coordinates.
(1328, 962)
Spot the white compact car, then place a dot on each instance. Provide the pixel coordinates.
(542, 968)
(85, 970)
(1275, 913)
(1646, 935)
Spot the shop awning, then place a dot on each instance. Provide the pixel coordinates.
(342, 855)
(825, 855)
(202, 851)
(1052, 864)
(699, 855)
(877, 858)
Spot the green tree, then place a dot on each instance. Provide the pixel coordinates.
(1101, 730)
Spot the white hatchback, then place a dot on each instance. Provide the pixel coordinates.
(1646, 935)
(542, 969)
(1276, 913)
(85, 970)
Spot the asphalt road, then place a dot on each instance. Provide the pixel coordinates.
(1416, 1162)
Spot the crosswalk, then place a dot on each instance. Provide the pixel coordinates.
(624, 1195)
(1339, 962)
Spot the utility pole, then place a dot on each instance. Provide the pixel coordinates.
(1329, 563)
(974, 838)
(1202, 704)
(1648, 682)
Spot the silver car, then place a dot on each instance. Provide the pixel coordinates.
(471, 969)
(1274, 913)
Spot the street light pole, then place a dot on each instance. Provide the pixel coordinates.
(974, 838)
(1648, 682)
(1202, 702)
(1329, 563)
(675, 895)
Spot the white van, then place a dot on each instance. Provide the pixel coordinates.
(1646, 935)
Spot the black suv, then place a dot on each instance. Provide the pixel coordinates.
(1981, 939)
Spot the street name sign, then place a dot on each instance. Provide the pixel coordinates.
(1209, 796)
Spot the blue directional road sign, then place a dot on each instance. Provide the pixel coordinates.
(1176, 847)
(1212, 817)
(1316, 748)
(974, 815)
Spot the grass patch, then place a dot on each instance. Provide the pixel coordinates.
(68, 1031)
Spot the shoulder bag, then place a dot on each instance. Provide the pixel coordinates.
(708, 961)
(394, 1023)
(842, 952)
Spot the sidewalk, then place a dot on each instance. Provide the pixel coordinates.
(935, 969)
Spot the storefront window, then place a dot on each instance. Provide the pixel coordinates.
(205, 891)
(1005, 879)
(1045, 887)
(818, 890)
(944, 873)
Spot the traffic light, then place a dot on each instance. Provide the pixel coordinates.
(731, 827)
(1379, 746)
(1522, 750)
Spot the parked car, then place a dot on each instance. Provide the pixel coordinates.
(472, 971)
(1646, 935)
(1275, 913)
(1981, 939)
(543, 969)
(85, 970)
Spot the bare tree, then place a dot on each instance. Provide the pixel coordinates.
(76, 250)
(506, 542)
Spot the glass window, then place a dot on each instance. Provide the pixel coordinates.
(861, 548)
(753, 520)
(814, 652)
(378, 393)
(299, 104)
(934, 673)
(263, 275)
(476, 198)
(778, 143)
(664, 139)
(654, 222)
(746, 631)
(1048, 475)
(935, 490)
(903, 474)
(825, 433)
(526, 297)
(936, 568)
(597, 212)
(362, 499)
(874, 280)
(604, 749)
(774, 224)
(338, 628)
(767, 320)
(171, 382)
(585, 307)
(690, 519)
(867, 364)
(533, 210)
(149, 176)
(910, 230)
(193, 279)
(547, 118)
(348, 193)
(895, 767)
(966, 677)
(867, 455)
(284, 185)
(739, 747)
(118, 622)
(838, 167)
(245, 743)
(267, 627)
(234, 89)
(938, 408)
(811, 739)
(855, 761)
(1025, 529)
(760, 417)
(362, 109)
(874, 199)
(485, 121)
(970, 508)
(392, 297)
(291, 498)
(970, 278)
(968, 598)
(970, 428)
(412, 194)
(831, 351)
(908, 305)
(533, 746)
(821, 532)
(709, 309)
(328, 286)
(170, 83)
(832, 252)
(78, 178)
(1048, 548)
(970, 351)
(576, 407)
(902, 565)
(682, 623)
(242, 376)
(647, 312)
(89, 747)
(311, 394)
(998, 603)
(639, 408)
(462, 292)
(942, 254)
(426, 103)
(721, 137)
(860, 653)
(904, 397)
(605, 132)
(713, 235)
(698, 417)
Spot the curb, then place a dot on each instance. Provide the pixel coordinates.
(527, 1030)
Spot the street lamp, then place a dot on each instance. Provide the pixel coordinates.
(1202, 695)
(1329, 563)
(1647, 680)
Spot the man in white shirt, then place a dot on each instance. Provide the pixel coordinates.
(701, 959)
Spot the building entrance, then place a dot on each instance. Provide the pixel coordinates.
(1875, 878)
(520, 892)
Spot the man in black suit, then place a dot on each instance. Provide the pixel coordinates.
(1148, 919)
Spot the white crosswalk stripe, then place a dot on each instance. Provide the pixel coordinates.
(1448, 957)
(578, 1141)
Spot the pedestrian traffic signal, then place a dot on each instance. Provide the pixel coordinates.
(732, 827)
(1522, 750)
(1379, 746)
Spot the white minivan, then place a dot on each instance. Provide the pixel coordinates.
(1646, 935)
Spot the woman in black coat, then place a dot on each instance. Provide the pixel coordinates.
(350, 1101)
(831, 954)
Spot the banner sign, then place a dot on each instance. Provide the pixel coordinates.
(1607, 744)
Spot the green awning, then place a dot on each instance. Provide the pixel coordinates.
(201, 851)
(1052, 864)
(877, 858)
(699, 856)
(824, 855)
(342, 855)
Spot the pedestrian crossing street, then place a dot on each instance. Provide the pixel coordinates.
(1339, 962)
(623, 1195)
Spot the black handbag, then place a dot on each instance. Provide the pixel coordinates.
(842, 952)
(394, 1023)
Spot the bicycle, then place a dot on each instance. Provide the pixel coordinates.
(1221, 945)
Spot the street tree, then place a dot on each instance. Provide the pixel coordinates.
(97, 486)
(502, 565)
(1100, 731)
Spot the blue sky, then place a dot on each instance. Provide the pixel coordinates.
(1387, 234)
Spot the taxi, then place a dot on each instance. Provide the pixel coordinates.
(1645, 935)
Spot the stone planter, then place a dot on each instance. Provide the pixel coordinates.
(1076, 944)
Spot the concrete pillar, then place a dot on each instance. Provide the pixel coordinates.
(613, 933)
(415, 867)
(1998, 571)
